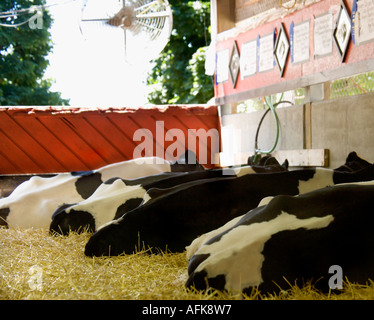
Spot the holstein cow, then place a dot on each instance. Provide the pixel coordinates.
(291, 240)
(32, 203)
(174, 219)
(117, 196)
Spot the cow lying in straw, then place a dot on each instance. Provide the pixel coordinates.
(290, 240)
(33, 202)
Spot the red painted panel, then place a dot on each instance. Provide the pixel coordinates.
(94, 140)
(16, 155)
(112, 135)
(21, 147)
(7, 163)
(58, 139)
(71, 139)
(45, 143)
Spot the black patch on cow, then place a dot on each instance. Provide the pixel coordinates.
(366, 174)
(149, 180)
(128, 206)
(200, 281)
(196, 260)
(76, 221)
(218, 282)
(3, 216)
(87, 184)
(154, 193)
(105, 246)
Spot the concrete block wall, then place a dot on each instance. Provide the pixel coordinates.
(344, 125)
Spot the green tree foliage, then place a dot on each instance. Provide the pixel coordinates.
(179, 74)
(23, 51)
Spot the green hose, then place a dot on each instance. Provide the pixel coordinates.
(272, 107)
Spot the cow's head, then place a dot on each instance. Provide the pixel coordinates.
(64, 222)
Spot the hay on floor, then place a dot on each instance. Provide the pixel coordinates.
(35, 265)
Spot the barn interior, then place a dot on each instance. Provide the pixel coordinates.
(310, 105)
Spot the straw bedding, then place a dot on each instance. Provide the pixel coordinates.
(35, 265)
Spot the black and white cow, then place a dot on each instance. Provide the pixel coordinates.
(174, 219)
(33, 202)
(117, 196)
(291, 240)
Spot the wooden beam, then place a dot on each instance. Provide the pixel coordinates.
(304, 157)
(225, 15)
(307, 126)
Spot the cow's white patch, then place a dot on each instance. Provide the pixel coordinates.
(198, 242)
(265, 201)
(146, 198)
(104, 202)
(321, 179)
(238, 254)
(241, 171)
(32, 203)
(132, 169)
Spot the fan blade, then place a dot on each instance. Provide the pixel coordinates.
(146, 7)
(160, 14)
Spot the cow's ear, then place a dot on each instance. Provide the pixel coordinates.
(187, 162)
(285, 164)
(188, 157)
(254, 160)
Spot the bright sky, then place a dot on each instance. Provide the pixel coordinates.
(91, 72)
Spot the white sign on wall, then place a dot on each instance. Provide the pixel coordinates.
(323, 29)
(266, 53)
(222, 68)
(300, 49)
(364, 24)
(248, 59)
